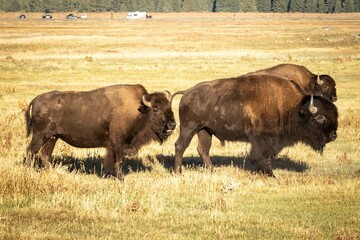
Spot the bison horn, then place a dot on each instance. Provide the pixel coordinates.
(319, 81)
(312, 108)
(167, 94)
(145, 102)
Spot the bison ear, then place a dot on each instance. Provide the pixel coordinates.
(304, 113)
(145, 102)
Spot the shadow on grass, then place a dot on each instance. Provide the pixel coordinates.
(239, 162)
(93, 164)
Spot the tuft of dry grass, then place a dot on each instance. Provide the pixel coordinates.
(313, 197)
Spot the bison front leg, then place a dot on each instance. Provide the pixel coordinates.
(113, 163)
(261, 156)
(118, 167)
(109, 163)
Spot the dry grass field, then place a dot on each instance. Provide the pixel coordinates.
(313, 197)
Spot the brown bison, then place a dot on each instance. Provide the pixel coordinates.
(269, 112)
(121, 118)
(319, 85)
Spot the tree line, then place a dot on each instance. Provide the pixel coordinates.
(313, 6)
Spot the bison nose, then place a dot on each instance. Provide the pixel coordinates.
(171, 125)
(332, 136)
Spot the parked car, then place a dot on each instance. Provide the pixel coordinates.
(83, 16)
(22, 16)
(47, 16)
(71, 16)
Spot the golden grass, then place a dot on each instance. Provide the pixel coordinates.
(314, 196)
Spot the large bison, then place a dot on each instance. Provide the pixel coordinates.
(121, 118)
(269, 112)
(319, 85)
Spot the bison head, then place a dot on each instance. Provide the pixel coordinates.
(325, 86)
(319, 120)
(160, 115)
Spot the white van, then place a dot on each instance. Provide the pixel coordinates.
(137, 15)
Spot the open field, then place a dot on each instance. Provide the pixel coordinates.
(313, 197)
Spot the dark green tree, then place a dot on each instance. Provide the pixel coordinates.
(247, 6)
(195, 5)
(310, 6)
(357, 6)
(263, 5)
(338, 7)
(115, 5)
(123, 7)
(349, 5)
(11, 6)
(24, 5)
(227, 6)
(330, 5)
(68, 5)
(296, 6)
(322, 6)
(280, 5)
(36, 6)
(176, 5)
(164, 6)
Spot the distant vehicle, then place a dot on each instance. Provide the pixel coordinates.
(47, 14)
(138, 15)
(22, 16)
(83, 16)
(71, 16)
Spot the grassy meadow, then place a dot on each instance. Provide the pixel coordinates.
(313, 197)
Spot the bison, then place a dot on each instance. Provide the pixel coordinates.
(319, 85)
(267, 111)
(120, 118)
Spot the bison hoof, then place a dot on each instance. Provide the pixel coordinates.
(268, 173)
(109, 173)
(129, 152)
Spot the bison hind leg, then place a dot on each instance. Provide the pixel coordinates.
(41, 146)
(46, 151)
(181, 144)
(33, 148)
(203, 148)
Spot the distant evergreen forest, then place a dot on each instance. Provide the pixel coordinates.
(311, 6)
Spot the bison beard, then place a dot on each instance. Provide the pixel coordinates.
(267, 111)
(121, 118)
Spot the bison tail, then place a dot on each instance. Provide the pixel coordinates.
(176, 93)
(28, 119)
